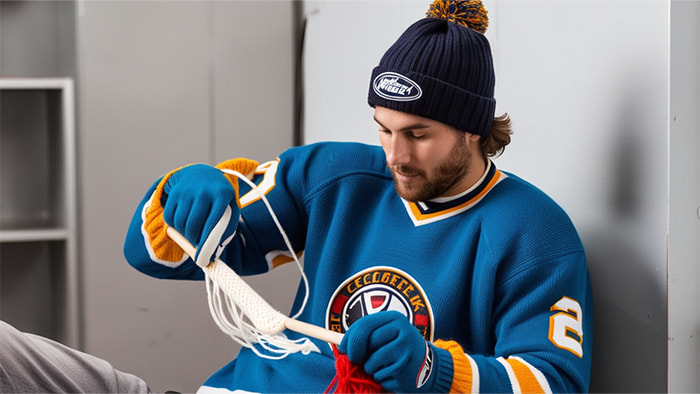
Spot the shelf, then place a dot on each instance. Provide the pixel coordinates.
(38, 237)
(33, 287)
(34, 235)
(33, 83)
(31, 155)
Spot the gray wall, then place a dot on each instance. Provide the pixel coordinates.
(162, 84)
(684, 195)
(604, 98)
(37, 39)
(589, 88)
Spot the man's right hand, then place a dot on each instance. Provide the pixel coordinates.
(194, 200)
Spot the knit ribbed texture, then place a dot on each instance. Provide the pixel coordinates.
(163, 247)
(462, 377)
(444, 370)
(453, 68)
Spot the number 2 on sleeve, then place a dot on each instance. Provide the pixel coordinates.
(566, 326)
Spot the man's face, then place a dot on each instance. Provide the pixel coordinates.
(428, 159)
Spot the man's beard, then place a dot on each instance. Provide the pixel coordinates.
(450, 172)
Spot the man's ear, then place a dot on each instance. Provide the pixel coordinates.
(473, 142)
(473, 138)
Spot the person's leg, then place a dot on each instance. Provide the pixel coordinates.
(30, 363)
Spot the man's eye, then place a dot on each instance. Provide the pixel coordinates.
(416, 136)
(384, 131)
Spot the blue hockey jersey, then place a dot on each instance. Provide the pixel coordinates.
(497, 275)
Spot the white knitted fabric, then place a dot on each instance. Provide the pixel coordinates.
(236, 308)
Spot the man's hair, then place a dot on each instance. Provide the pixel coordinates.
(495, 142)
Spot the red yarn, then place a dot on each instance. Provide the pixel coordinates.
(351, 378)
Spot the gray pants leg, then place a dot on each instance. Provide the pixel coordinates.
(30, 363)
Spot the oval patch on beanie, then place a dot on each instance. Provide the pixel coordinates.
(394, 86)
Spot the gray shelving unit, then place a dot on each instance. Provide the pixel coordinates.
(38, 252)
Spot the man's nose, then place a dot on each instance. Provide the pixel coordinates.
(399, 151)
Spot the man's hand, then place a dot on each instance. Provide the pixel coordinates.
(195, 199)
(392, 351)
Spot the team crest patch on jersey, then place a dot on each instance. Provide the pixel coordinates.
(375, 290)
(394, 86)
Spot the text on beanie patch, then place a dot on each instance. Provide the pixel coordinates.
(394, 86)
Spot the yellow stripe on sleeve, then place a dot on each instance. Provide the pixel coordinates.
(524, 377)
(465, 377)
(155, 227)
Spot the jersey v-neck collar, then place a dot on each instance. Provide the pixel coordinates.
(442, 208)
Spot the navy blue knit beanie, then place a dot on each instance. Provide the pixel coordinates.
(441, 68)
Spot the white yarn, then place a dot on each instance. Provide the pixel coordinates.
(237, 309)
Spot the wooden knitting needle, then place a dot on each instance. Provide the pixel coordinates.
(254, 298)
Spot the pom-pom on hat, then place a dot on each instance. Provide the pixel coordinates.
(441, 68)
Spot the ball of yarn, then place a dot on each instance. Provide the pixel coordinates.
(469, 13)
(351, 378)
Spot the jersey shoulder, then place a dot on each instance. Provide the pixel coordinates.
(518, 210)
(339, 156)
(326, 162)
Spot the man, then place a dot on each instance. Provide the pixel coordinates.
(443, 272)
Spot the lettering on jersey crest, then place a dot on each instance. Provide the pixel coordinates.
(394, 86)
(379, 289)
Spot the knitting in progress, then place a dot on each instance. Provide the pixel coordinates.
(431, 269)
(247, 318)
(238, 310)
(243, 314)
